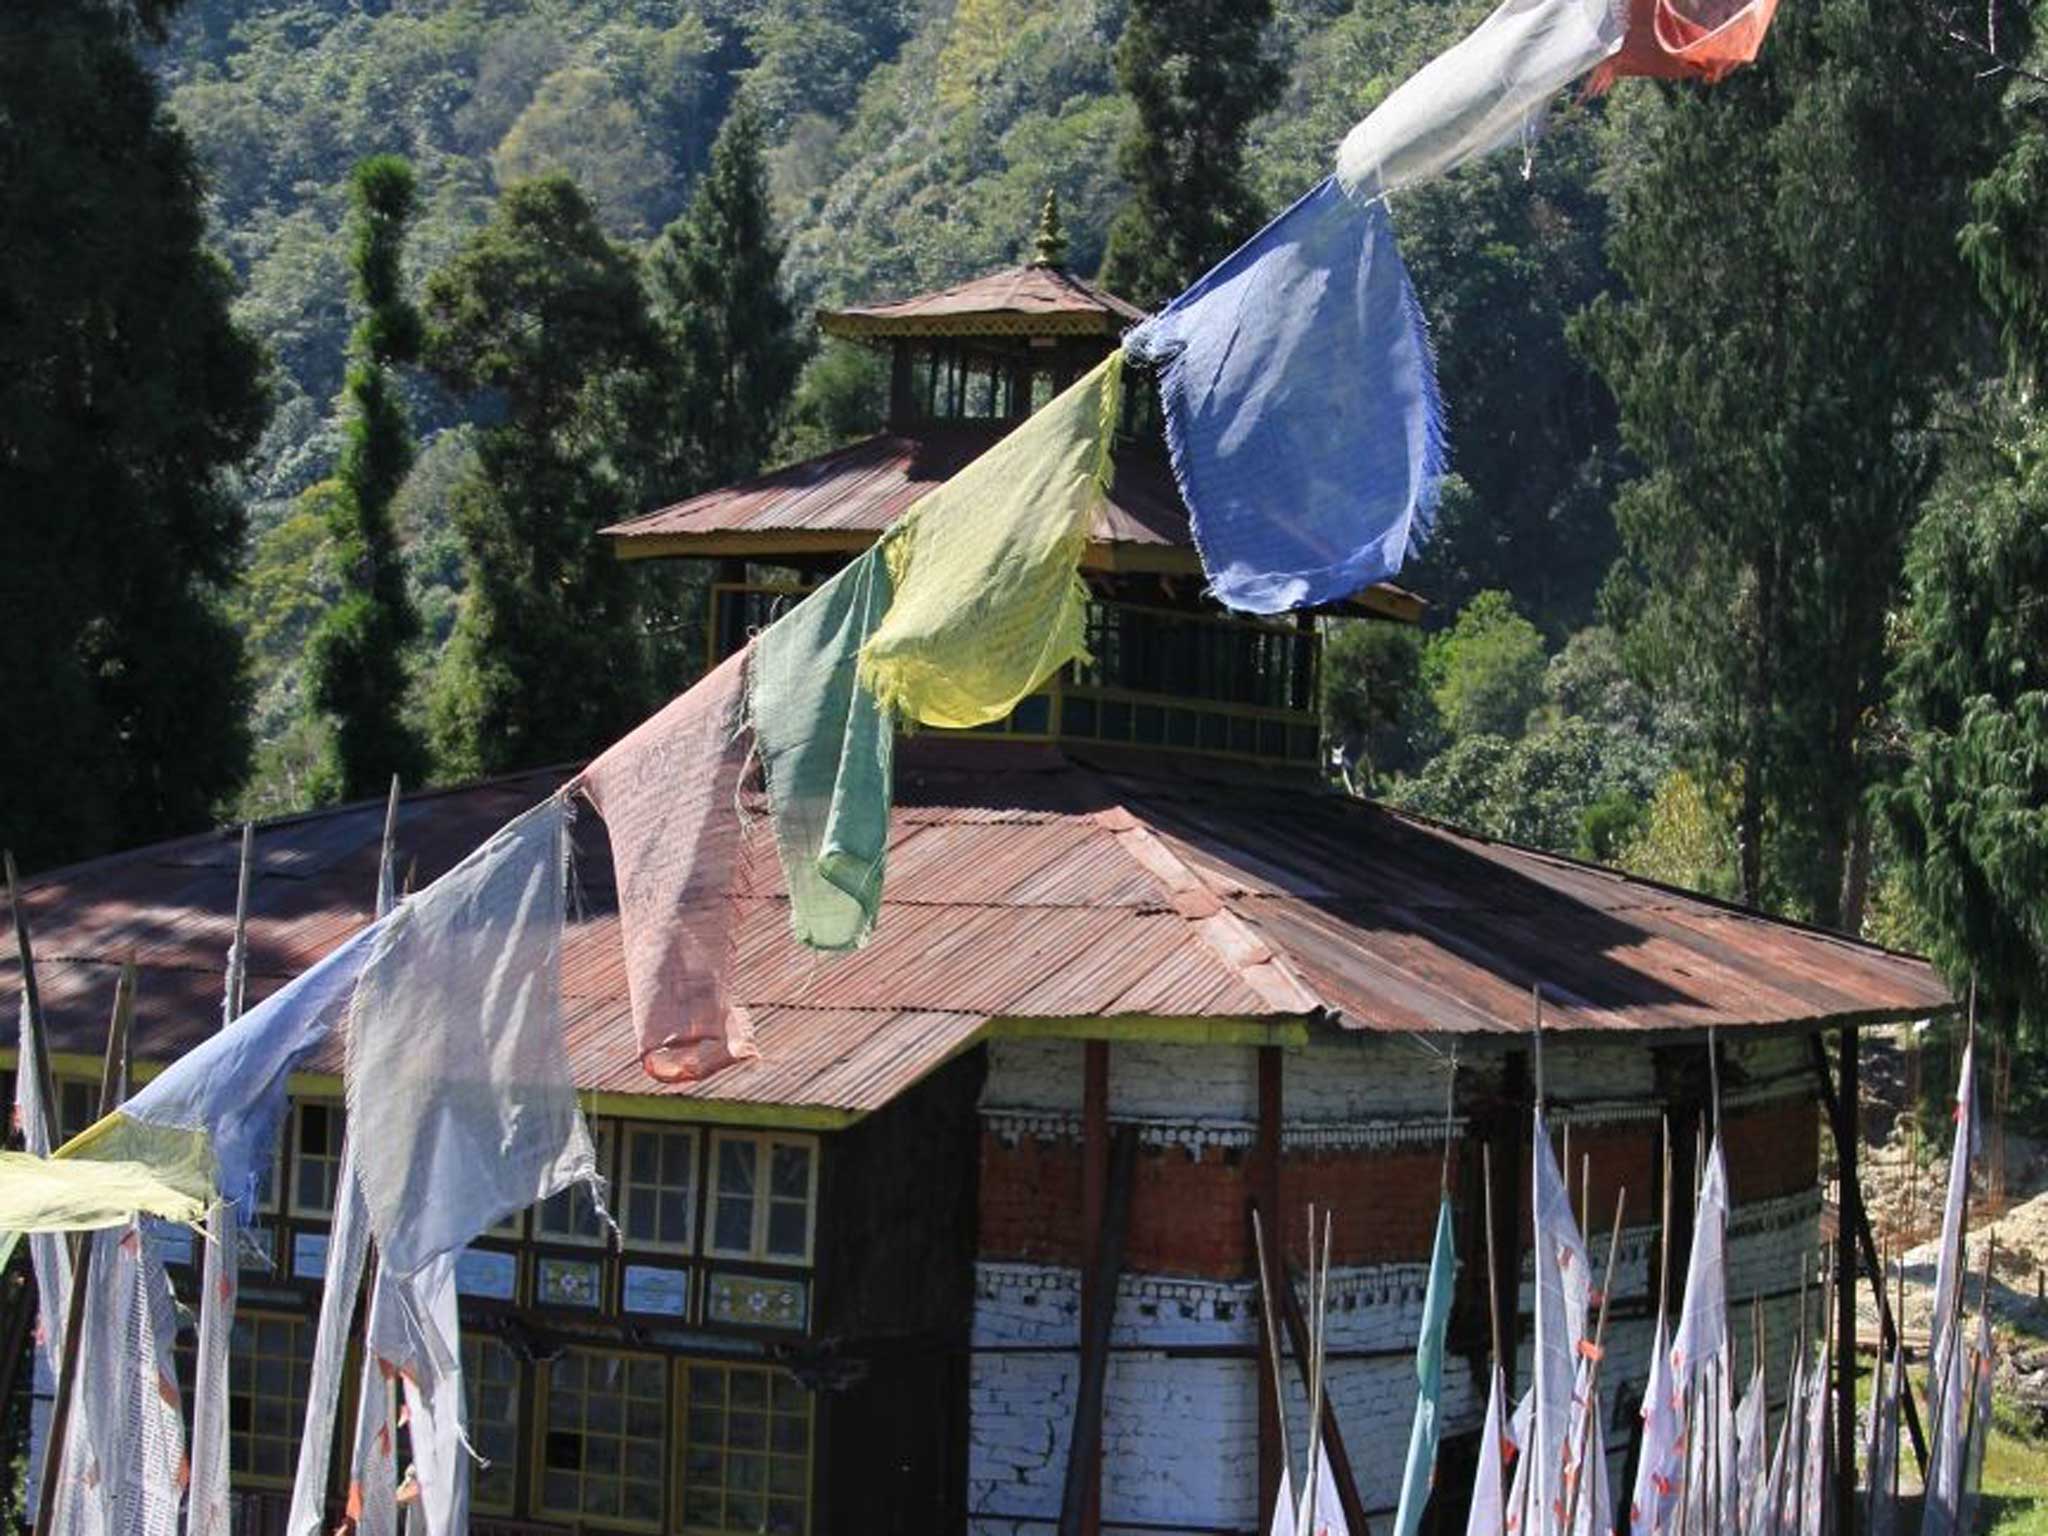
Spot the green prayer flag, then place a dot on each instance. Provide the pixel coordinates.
(1429, 1373)
(827, 750)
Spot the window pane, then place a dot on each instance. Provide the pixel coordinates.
(791, 1173)
(605, 1441)
(734, 1226)
(786, 1227)
(736, 1167)
(734, 1479)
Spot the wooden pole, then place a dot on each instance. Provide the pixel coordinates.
(82, 1245)
(1492, 1311)
(1850, 1199)
(1332, 1437)
(45, 1080)
(1272, 1338)
(1273, 1448)
(1859, 1218)
(1084, 1447)
(1094, 1198)
(1591, 1415)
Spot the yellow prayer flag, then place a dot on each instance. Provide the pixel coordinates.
(988, 595)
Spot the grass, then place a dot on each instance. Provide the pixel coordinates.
(2015, 1475)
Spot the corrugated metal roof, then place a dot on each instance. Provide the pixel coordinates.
(862, 489)
(1023, 884)
(1034, 292)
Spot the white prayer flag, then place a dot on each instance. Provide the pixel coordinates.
(461, 1108)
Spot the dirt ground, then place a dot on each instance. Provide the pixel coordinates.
(1904, 1182)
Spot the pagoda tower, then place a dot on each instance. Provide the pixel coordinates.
(1171, 669)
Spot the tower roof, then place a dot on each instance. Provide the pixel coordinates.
(1033, 300)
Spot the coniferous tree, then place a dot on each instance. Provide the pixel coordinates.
(1788, 239)
(716, 281)
(355, 661)
(547, 316)
(1199, 72)
(1970, 679)
(125, 391)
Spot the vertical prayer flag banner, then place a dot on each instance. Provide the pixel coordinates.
(1563, 1291)
(1883, 1506)
(1487, 1515)
(1945, 1323)
(347, 1249)
(1658, 1465)
(460, 1105)
(1702, 1335)
(988, 599)
(669, 796)
(1301, 408)
(826, 750)
(1485, 93)
(1429, 1376)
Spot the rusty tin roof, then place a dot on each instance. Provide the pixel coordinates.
(1039, 300)
(1028, 886)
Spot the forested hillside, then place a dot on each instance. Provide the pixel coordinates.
(1742, 383)
(909, 145)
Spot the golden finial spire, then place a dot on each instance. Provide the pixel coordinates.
(1049, 247)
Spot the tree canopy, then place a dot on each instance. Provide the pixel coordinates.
(126, 390)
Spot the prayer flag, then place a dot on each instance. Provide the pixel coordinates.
(1284, 1507)
(1666, 42)
(988, 596)
(1484, 93)
(1972, 1480)
(209, 1121)
(460, 1104)
(1659, 1464)
(1882, 1465)
(1429, 1376)
(669, 796)
(1301, 408)
(827, 750)
(347, 1248)
(1945, 1323)
(1488, 1508)
(1563, 1289)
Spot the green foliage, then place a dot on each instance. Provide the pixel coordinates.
(1795, 300)
(125, 391)
(1374, 706)
(356, 675)
(715, 280)
(841, 396)
(1542, 790)
(1485, 673)
(1199, 73)
(1971, 688)
(545, 314)
(1685, 838)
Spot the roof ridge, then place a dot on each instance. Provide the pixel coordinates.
(1232, 939)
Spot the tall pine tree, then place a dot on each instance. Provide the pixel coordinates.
(125, 391)
(1796, 300)
(715, 278)
(544, 314)
(356, 657)
(1199, 72)
(1970, 812)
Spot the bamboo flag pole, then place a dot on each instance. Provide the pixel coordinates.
(1319, 1300)
(1266, 1304)
(1592, 1409)
(82, 1245)
(45, 1079)
(1493, 1305)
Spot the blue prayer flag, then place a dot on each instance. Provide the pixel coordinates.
(1301, 408)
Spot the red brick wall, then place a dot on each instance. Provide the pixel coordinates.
(1187, 1212)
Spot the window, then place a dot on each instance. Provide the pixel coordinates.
(606, 1420)
(762, 1198)
(270, 1362)
(660, 1188)
(490, 1386)
(746, 1450)
(570, 1216)
(316, 1161)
